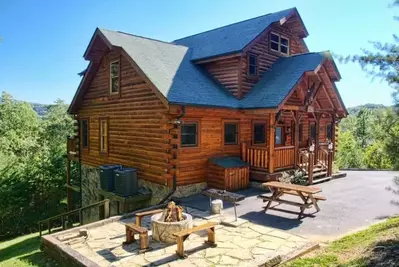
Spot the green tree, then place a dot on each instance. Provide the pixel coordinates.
(362, 130)
(349, 152)
(32, 173)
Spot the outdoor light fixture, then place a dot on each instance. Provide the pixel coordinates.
(330, 146)
(176, 122)
(311, 148)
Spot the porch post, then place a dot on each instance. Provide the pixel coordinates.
(296, 138)
(333, 133)
(272, 120)
(317, 141)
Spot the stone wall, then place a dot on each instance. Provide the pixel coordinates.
(91, 185)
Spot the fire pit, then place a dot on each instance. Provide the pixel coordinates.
(170, 221)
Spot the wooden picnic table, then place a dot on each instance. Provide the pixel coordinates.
(306, 193)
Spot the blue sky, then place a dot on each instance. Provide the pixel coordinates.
(43, 41)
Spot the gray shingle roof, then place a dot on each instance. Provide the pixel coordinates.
(170, 69)
(230, 38)
(278, 81)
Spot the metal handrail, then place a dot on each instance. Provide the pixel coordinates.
(105, 202)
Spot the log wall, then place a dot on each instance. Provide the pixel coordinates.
(135, 119)
(192, 163)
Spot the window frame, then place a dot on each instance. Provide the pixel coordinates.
(256, 75)
(236, 122)
(197, 145)
(253, 132)
(279, 43)
(88, 133)
(118, 77)
(100, 136)
(282, 135)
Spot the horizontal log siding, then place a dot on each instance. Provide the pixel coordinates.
(226, 72)
(135, 119)
(266, 57)
(192, 166)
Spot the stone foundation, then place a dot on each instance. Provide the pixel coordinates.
(91, 185)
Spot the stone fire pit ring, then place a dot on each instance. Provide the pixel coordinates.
(163, 231)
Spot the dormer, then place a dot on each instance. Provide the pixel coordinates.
(238, 55)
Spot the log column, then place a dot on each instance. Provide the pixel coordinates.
(272, 124)
(317, 141)
(296, 138)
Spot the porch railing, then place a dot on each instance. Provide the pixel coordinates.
(322, 157)
(303, 161)
(255, 156)
(284, 157)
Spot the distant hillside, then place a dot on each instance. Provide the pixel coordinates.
(41, 109)
(355, 110)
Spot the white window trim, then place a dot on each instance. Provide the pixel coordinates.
(110, 77)
(280, 44)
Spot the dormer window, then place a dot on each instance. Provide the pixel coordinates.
(114, 77)
(252, 65)
(279, 43)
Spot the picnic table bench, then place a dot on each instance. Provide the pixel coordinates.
(223, 195)
(306, 193)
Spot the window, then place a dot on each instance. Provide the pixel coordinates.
(189, 134)
(279, 136)
(300, 132)
(104, 135)
(279, 43)
(329, 131)
(259, 136)
(114, 77)
(313, 131)
(252, 65)
(85, 133)
(231, 133)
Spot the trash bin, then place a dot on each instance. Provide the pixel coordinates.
(126, 183)
(217, 206)
(107, 178)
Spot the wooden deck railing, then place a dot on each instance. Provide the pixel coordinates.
(322, 157)
(255, 156)
(61, 217)
(284, 157)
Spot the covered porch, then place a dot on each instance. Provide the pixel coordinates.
(301, 133)
(296, 140)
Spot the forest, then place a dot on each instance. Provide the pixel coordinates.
(33, 155)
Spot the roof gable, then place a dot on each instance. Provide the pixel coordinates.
(234, 37)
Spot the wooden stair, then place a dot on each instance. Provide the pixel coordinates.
(261, 175)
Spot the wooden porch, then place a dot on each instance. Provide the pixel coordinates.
(314, 165)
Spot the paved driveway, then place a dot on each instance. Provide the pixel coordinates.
(353, 202)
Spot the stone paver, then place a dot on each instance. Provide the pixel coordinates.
(247, 244)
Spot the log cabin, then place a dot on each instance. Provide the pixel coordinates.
(243, 101)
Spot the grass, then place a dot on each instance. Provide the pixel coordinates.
(24, 251)
(376, 246)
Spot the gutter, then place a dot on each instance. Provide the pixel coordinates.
(176, 123)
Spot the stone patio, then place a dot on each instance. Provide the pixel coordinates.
(247, 244)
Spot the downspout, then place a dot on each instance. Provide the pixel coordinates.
(176, 124)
